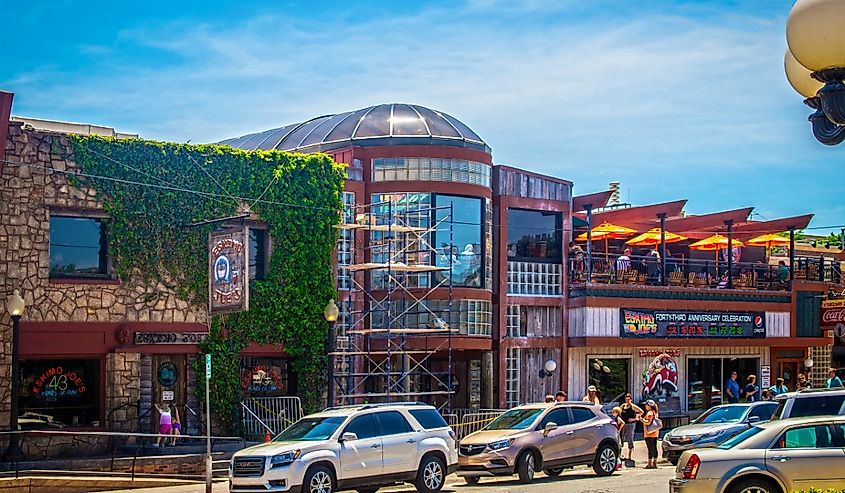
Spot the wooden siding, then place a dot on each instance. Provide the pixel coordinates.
(594, 322)
(777, 324)
(532, 388)
(578, 357)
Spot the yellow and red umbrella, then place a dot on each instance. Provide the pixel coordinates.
(606, 231)
(652, 237)
(768, 241)
(714, 244)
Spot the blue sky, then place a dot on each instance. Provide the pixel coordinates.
(672, 98)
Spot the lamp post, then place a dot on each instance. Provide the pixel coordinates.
(16, 306)
(331, 313)
(815, 64)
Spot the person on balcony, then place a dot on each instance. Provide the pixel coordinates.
(623, 262)
(783, 272)
(576, 257)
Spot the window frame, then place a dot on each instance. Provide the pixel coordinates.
(105, 259)
(99, 386)
(362, 416)
(545, 419)
(558, 231)
(381, 432)
(264, 250)
(481, 240)
(782, 438)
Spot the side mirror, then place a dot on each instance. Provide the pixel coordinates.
(753, 419)
(550, 427)
(348, 437)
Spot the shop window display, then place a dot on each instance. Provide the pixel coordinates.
(610, 376)
(58, 393)
(706, 379)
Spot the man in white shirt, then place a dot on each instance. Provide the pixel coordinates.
(623, 263)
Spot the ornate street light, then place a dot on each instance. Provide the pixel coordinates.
(331, 313)
(16, 306)
(815, 64)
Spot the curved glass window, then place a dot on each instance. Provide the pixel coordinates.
(431, 169)
(534, 236)
(464, 235)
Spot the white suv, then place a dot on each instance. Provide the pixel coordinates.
(357, 447)
(811, 402)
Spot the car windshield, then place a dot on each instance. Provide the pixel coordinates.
(737, 439)
(311, 429)
(727, 414)
(515, 419)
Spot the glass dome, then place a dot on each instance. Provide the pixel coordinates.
(384, 124)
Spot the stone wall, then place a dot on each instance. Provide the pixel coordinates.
(123, 390)
(33, 182)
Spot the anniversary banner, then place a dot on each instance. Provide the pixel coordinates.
(693, 325)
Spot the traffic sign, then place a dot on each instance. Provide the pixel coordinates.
(208, 366)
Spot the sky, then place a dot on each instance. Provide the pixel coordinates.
(672, 98)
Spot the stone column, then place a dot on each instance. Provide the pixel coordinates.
(123, 391)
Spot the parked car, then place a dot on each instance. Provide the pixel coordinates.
(715, 426)
(780, 456)
(357, 447)
(811, 402)
(541, 437)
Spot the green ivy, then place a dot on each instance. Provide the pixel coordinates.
(151, 237)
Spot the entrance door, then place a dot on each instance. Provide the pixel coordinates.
(169, 386)
(789, 371)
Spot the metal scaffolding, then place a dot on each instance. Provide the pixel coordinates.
(394, 272)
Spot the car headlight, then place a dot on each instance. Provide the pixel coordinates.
(500, 444)
(284, 459)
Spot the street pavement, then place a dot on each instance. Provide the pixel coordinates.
(577, 480)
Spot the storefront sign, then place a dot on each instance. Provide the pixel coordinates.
(167, 395)
(143, 338)
(653, 353)
(228, 287)
(58, 382)
(833, 312)
(694, 325)
(262, 379)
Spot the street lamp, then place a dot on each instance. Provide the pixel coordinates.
(548, 368)
(331, 312)
(815, 64)
(16, 306)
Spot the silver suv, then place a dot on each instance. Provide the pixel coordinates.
(358, 447)
(812, 402)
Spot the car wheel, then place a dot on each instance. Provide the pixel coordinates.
(754, 486)
(673, 459)
(472, 480)
(319, 479)
(606, 459)
(554, 472)
(431, 475)
(525, 464)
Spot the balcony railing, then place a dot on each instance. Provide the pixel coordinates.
(698, 273)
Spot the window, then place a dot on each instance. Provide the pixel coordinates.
(257, 253)
(534, 236)
(764, 411)
(807, 437)
(515, 419)
(581, 414)
(59, 393)
(467, 248)
(263, 377)
(534, 279)
(392, 423)
(363, 426)
(611, 376)
(706, 378)
(310, 429)
(817, 406)
(346, 243)
(559, 417)
(78, 247)
(429, 419)
(431, 169)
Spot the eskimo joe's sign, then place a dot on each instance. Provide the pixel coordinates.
(692, 325)
(58, 382)
(228, 271)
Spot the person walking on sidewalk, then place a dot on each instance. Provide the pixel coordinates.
(651, 431)
(630, 415)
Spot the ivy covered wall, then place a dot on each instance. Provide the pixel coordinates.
(154, 192)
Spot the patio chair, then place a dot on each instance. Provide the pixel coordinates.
(676, 278)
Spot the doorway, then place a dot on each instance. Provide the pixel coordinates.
(788, 370)
(169, 386)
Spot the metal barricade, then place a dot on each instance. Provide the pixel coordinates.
(472, 422)
(269, 414)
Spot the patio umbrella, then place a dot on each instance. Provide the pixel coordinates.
(715, 243)
(607, 231)
(652, 237)
(768, 241)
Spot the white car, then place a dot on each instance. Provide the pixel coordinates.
(357, 447)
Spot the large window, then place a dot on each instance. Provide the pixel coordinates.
(465, 236)
(706, 379)
(534, 236)
(346, 243)
(78, 247)
(431, 169)
(257, 253)
(611, 377)
(57, 393)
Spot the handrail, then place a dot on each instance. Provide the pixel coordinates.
(270, 430)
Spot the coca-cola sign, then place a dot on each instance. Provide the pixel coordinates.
(833, 312)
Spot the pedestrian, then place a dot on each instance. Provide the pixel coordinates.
(591, 396)
(751, 389)
(549, 398)
(651, 431)
(779, 388)
(732, 389)
(803, 382)
(560, 396)
(834, 381)
(765, 395)
(165, 422)
(615, 415)
(630, 414)
(176, 426)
